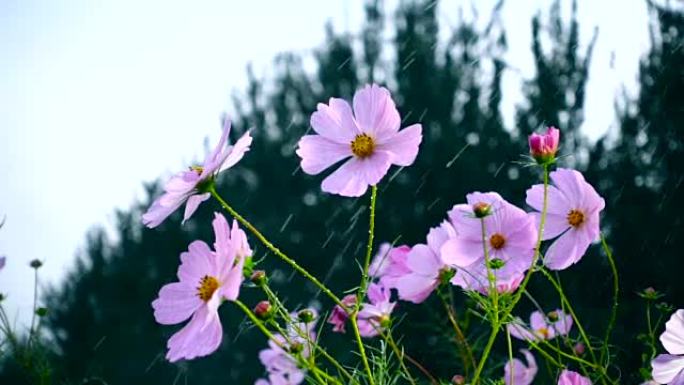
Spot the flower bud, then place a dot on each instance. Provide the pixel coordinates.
(296, 347)
(259, 278)
(36, 264)
(306, 315)
(543, 147)
(482, 209)
(650, 294)
(458, 380)
(263, 310)
(41, 311)
(579, 349)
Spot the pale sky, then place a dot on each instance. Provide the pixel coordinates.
(98, 97)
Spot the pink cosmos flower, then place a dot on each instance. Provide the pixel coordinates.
(549, 326)
(373, 316)
(669, 368)
(424, 265)
(510, 239)
(520, 373)
(389, 264)
(191, 185)
(568, 377)
(338, 317)
(206, 278)
(369, 135)
(572, 216)
(543, 147)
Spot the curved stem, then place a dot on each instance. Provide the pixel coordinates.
(410, 359)
(273, 249)
(616, 292)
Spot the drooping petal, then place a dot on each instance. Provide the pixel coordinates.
(673, 337)
(403, 145)
(517, 373)
(334, 121)
(193, 203)
(355, 175)
(375, 112)
(176, 303)
(157, 213)
(415, 288)
(198, 338)
(563, 251)
(518, 330)
(318, 153)
(666, 367)
(212, 162)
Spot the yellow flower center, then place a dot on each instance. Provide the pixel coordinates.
(197, 169)
(497, 241)
(543, 332)
(575, 218)
(362, 146)
(207, 287)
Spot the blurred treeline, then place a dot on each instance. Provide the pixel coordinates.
(100, 317)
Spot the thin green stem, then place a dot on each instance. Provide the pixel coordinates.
(361, 294)
(273, 249)
(616, 292)
(410, 359)
(521, 289)
(565, 300)
(32, 331)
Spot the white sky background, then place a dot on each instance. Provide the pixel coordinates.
(98, 97)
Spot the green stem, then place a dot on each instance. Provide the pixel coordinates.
(565, 300)
(415, 363)
(616, 292)
(361, 294)
(510, 355)
(273, 249)
(521, 289)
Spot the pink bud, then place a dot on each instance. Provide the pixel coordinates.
(543, 147)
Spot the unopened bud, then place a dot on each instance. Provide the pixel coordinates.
(263, 310)
(306, 315)
(41, 311)
(36, 264)
(553, 316)
(579, 349)
(296, 347)
(259, 278)
(482, 209)
(458, 380)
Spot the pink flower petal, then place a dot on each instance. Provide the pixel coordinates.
(236, 152)
(415, 288)
(421, 260)
(193, 203)
(673, 337)
(376, 113)
(572, 184)
(568, 377)
(403, 145)
(335, 121)
(198, 338)
(556, 201)
(563, 251)
(176, 303)
(197, 262)
(460, 252)
(554, 225)
(355, 175)
(319, 153)
(518, 372)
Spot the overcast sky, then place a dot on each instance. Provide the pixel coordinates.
(97, 97)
